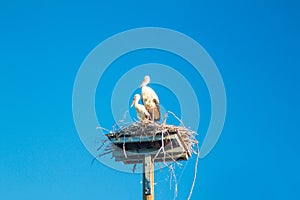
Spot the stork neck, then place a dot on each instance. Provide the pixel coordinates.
(136, 102)
(144, 84)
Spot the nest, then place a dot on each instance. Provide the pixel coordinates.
(166, 143)
(149, 128)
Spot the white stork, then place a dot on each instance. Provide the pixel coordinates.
(150, 99)
(141, 111)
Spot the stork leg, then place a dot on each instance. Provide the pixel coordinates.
(151, 116)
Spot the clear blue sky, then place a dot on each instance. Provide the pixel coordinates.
(255, 45)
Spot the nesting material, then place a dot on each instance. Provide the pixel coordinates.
(166, 143)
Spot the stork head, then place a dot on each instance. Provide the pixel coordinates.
(145, 81)
(136, 98)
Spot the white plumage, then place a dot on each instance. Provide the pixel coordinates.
(150, 99)
(142, 113)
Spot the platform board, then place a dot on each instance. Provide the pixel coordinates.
(132, 148)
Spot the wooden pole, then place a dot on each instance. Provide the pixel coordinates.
(148, 178)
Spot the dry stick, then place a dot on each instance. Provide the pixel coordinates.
(176, 118)
(113, 127)
(182, 172)
(103, 143)
(176, 185)
(165, 119)
(104, 153)
(175, 161)
(104, 129)
(190, 141)
(172, 171)
(157, 153)
(163, 144)
(170, 176)
(195, 173)
(92, 162)
(134, 167)
(161, 148)
(124, 150)
(125, 114)
(171, 143)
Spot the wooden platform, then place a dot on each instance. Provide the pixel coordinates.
(149, 142)
(132, 148)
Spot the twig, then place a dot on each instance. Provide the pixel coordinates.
(181, 123)
(103, 143)
(175, 180)
(104, 129)
(134, 167)
(124, 150)
(195, 173)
